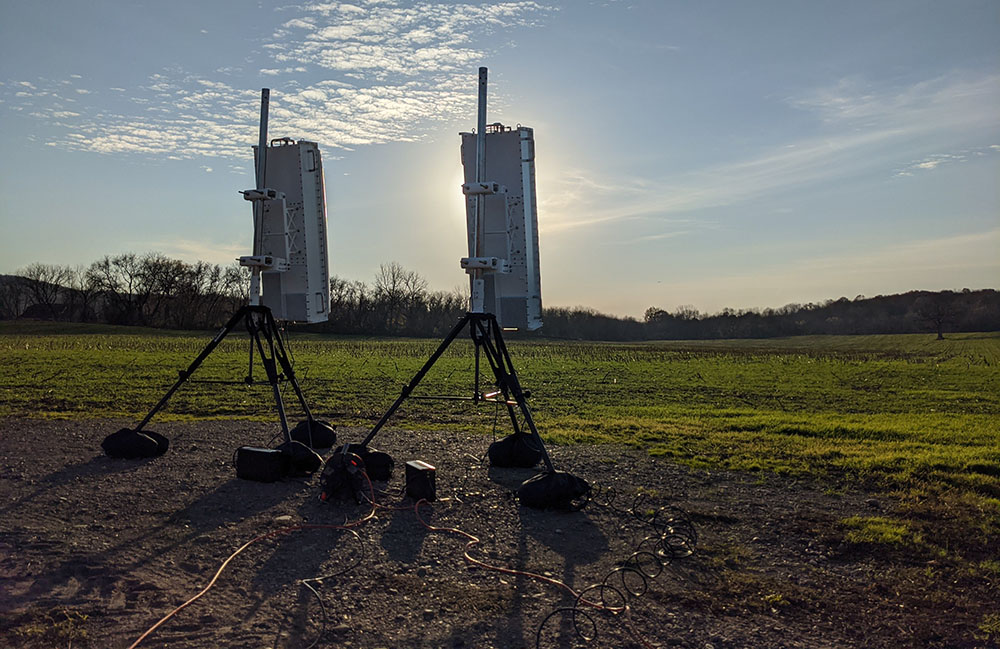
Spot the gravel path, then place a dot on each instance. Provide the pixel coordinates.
(93, 551)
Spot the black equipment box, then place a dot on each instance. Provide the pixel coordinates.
(261, 464)
(420, 480)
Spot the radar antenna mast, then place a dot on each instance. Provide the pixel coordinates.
(524, 447)
(260, 323)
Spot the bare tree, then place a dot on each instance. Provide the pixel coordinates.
(47, 284)
(14, 296)
(398, 293)
(83, 291)
(236, 284)
(162, 280)
(124, 286)
(936, 310)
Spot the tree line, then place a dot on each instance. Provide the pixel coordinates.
(157, 291)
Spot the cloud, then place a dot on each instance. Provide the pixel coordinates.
(387, 40)
(719, 185)
(862, 131)
(938, 160)
(200, 117)
(392, 71)
(194, 250)
(950, 101)
(973, 251)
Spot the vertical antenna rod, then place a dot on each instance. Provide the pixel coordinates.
(481, 165)
(265, 98)
(476, 278)
(258, 206)
(481, 129)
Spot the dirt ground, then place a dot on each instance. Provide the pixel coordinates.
(93, 551)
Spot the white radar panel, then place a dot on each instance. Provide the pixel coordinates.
(511, 227)
(296, 233)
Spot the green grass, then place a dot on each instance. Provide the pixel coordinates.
(879, 529)
(55, 627)
(905, 413)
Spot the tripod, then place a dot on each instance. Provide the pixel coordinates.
(488, 338)
(263, 330)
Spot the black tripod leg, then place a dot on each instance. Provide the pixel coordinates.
(186, 374)
(408, 388)
(498, 373)
(286, 367)
(476, 397)
(249, 377)
(269, 367)
(508, 375)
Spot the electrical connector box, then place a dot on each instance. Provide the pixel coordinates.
(420, 480)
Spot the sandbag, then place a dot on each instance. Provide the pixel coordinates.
(554, 490)
(301, 459)
(515, 450)
(130, 444)
(319, 435)
(377, 465)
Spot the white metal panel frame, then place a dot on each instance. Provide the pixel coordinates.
(296, 230)
(510, 224)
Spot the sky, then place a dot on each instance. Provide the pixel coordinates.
(708, 154)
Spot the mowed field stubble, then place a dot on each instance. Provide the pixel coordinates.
(911, 419)
(904, 407)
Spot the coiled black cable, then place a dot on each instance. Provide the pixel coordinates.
(670, 536)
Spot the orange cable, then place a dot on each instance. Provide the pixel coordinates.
(283, 530)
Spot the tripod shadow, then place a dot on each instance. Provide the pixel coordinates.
(325, 555)
(95, 466)
(573, 536)
(102, 571)
(328, 559)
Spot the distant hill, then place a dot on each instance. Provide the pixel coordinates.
(913, 312)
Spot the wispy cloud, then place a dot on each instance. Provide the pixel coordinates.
(191, 250)
(938, 160)
(725, 184)
(948, 101)
(389, 72)
(385, 39)
(862, 131)
(974, 251)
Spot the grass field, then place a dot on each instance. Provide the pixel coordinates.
(913, 416)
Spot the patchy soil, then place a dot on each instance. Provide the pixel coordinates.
(93, 551)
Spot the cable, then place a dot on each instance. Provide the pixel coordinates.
(674, 537)
(473, 541)
(267, 535)
(318, 580)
